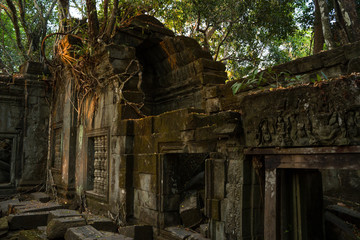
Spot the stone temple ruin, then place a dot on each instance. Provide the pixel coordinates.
(164, 143)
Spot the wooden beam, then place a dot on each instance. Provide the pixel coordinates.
(323, 161)
(270, 210)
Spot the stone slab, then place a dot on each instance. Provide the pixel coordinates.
(27, 221)
(178, 233)
(137, 232)
(61, 213)
(101, 223)
(83, 232)
(31, 235)
(40, 196)
(35, 206)
(57, 227)
(112, 237)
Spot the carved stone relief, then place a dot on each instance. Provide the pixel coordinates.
(318, 124)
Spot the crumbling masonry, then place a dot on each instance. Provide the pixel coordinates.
(164, 142)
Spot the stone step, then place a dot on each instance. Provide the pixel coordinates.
(4, 206)
(29, 220)
(57, 227)
(40, 196)
(101, 223)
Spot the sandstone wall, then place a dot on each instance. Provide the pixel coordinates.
(24, 119)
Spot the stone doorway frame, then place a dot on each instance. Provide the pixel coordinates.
(346, 157)
(14, 157)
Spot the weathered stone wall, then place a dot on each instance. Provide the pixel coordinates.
(24, 113)
(322, 115)
(136, 166)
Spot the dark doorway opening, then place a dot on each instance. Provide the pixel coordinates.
(6, 147)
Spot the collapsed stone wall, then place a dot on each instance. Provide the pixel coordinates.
(24, 107)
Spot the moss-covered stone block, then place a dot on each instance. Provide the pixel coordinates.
(145, 144)
(205, 133)
(171, 121)
(144, 126)
(146, 163)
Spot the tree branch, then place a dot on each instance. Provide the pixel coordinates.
(15, 22)
(22, 18)
(93, 20)
(112, 21)
(106, 8)
(222, 41)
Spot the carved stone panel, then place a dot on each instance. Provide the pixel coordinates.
(100, 165)
(304, 116)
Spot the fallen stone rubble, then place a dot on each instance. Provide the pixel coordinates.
(43, 219)
(40, 219)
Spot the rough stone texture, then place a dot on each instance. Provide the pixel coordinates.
(61, 213)
(4, 205)
(101, 223)
(137, 232)
(57, 227)
(24, 124)
(36, 206)
(40, 196)
(31, 235)
(304, 116)
(194, 127)
(84, 232)
(4, 226)
(29, 220)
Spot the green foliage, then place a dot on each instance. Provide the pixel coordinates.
(39, 19)
(243, 34)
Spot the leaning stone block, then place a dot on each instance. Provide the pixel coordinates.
(57, 227)
(190, 211)
(84, 232)
(137, 232)
(101, 223)
(27, 221)
(62, 213)
(40, 196)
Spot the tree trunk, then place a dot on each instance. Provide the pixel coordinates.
(318, 34)
(63, 15)
(350, 19)
(325, 22)
(110, 26)
(93, 20)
